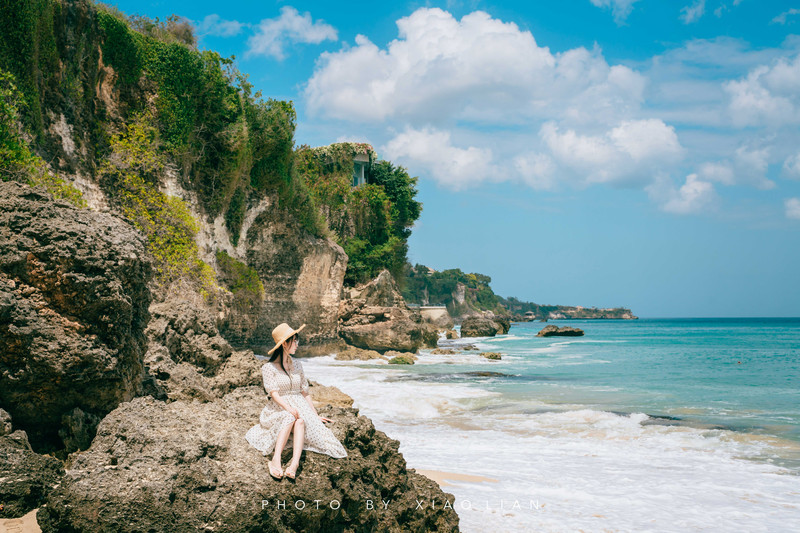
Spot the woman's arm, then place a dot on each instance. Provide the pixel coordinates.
(307, 396)
(276, 397)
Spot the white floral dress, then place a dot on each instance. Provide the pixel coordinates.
(263, 435)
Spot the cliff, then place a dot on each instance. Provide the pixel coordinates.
(469, 294)
(119, 415)
(129, 117)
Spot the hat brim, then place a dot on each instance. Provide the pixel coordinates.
(294, 332)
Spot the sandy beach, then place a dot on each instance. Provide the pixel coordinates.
(441, 477)
(26, 524)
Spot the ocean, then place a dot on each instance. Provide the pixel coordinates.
(645, 425)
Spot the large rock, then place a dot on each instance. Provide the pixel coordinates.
(73, 308)
(187, 467)
(350, 353)
(374, 316)
(187, 359)
(486, 325)
(25, 476)
(302, 277)
(564, 331)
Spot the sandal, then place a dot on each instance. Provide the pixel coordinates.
(291, 474)
(277, 474)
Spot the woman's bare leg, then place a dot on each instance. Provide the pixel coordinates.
(297, 448)
(283, 438)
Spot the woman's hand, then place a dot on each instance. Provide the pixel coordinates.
(325, 419)
(295, 413)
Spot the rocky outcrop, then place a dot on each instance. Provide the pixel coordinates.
(25, 476)
(485, 325)
(374, 316)
(494, 356)
(73, 308)
(564, 331)
(351, 352)
(5, 423)
(187, 359)
(402, 360)
(323, 395)
(187, 467)
(302, 277)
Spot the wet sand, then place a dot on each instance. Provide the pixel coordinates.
(26, 524)
(441, 477)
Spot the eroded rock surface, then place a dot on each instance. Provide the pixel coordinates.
(73, 308)
(374, 316)
(186, 467)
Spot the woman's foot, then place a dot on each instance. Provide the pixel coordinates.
(291, 470)
(275, 471)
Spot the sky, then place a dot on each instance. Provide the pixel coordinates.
(637, 153)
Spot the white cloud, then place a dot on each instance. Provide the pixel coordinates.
(746, 167)
(693, 12)
(272, 35)
(781, 19)
(752, 167)
(215, 26)
(620, 8)
(433, 151)
(792, 208)
(721, 172)
(477, 68)
(791, 167)
(630, 152)
(535, 170)
(694, 196)
(769, 95)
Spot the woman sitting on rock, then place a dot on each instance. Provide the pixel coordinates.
(290, 409)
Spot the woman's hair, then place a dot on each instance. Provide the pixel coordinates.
(278, 353)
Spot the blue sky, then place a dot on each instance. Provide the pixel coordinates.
(641, 153)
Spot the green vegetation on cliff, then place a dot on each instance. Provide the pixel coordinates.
(98, 88)
(462, 292)
(371, 221)
(133, 165)
(17, 162)
(459, 291)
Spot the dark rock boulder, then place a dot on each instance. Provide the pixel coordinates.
(187, 467)
(374, 316)
(25, 476)
(5, 423)
(73, 308)
(187, 359)
(564, 331)
(487, 325)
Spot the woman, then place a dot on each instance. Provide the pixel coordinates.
(290, 409)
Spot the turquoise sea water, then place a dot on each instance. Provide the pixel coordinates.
(738, 374)
(646, 425)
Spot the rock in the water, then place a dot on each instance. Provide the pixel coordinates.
(451, 334)
(351, 352)
(187, 467)
(495, 356)
(564, 331)
(443, 351)
(402, 359)
(487, 325)
(375, 317)
(323, 395)
(25, 476)
(73, 308)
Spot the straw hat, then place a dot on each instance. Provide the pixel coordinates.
(283, 332)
